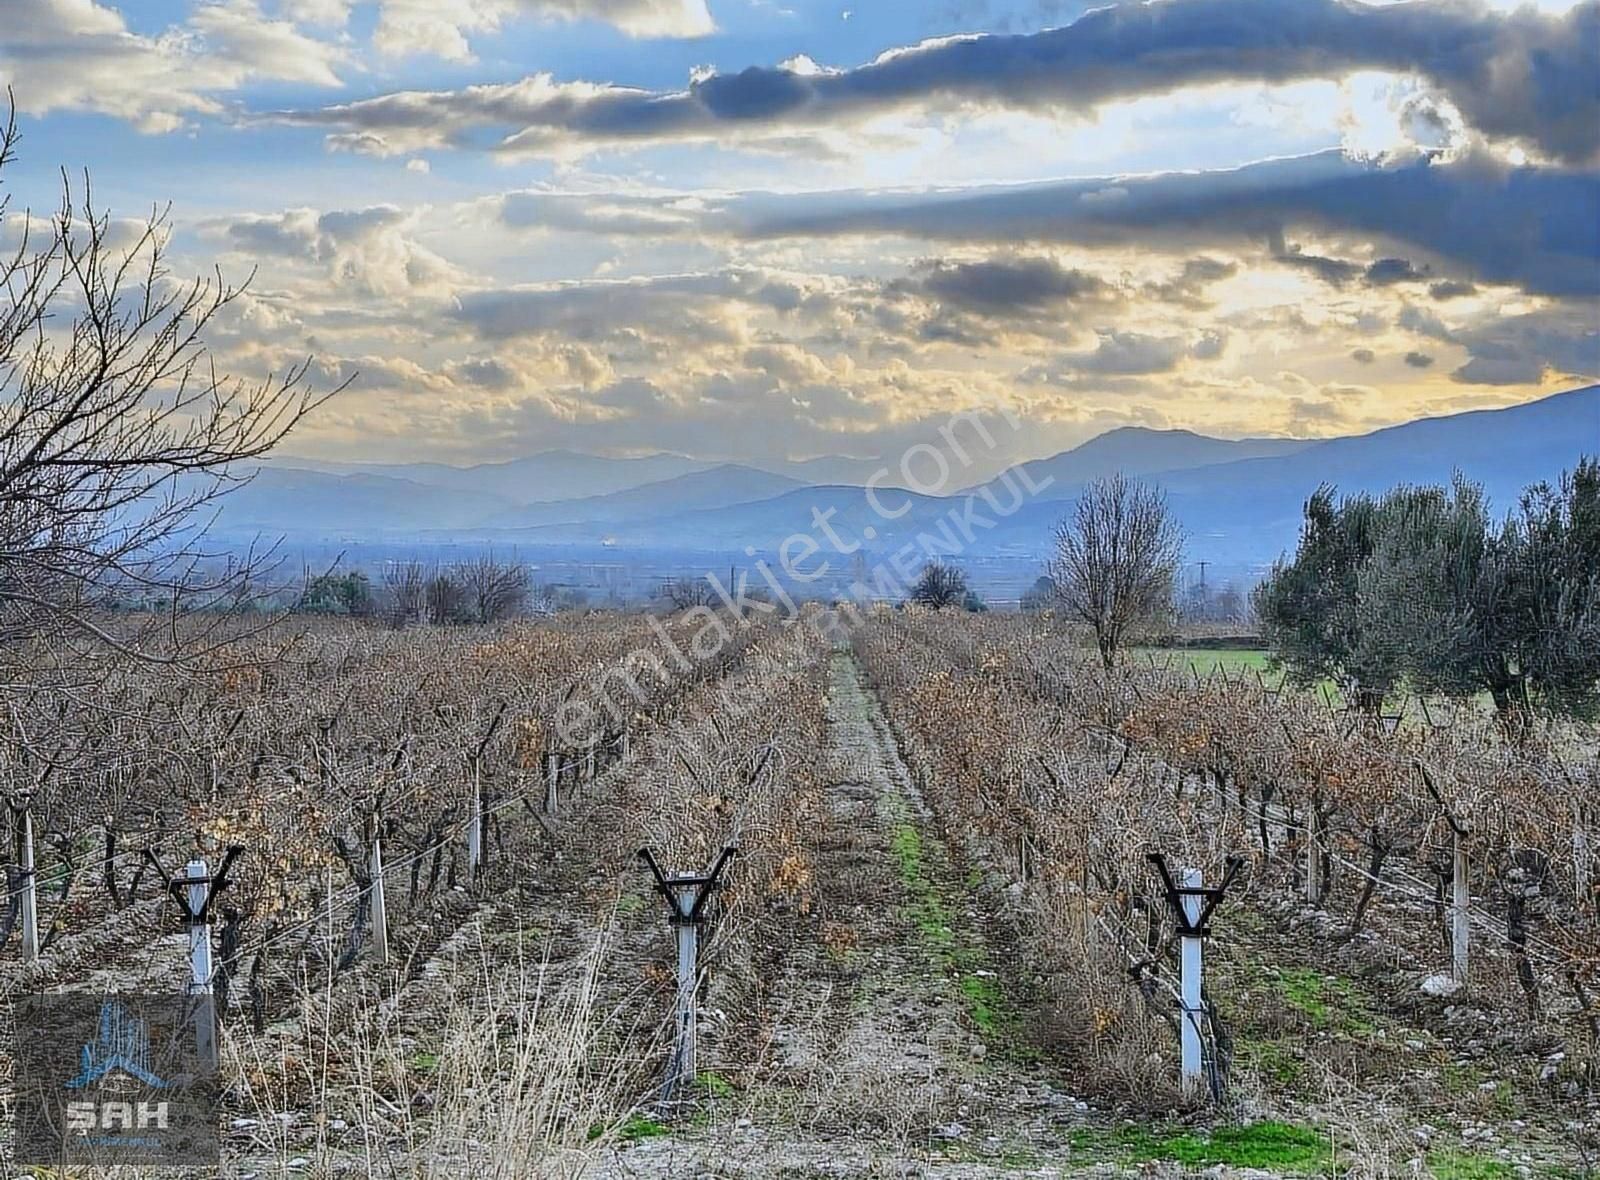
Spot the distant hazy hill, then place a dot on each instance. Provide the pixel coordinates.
(837, 469)
(1138, 450)
(761, 524)
(719, 487)
(1240, 501)
(548, 475)
(290, 500)
(1253, 507)
(1246, 511)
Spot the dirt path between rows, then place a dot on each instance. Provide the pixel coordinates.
(887, 1050)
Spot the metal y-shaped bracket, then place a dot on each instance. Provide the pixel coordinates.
(670, 887)
(179, 887)
(1209, 897)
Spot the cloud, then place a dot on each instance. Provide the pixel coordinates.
(1418, 360)
(368, 250)
(610, 213)
(1424, 323)
(1336, 272)
(1002, 286)
(1188, 286)
(1211, 344)
(644, 315)
(1130, 353)
(1522, 349)
(439, 28)
(1451, 289)
(1386, 272)
(1523, 77)
(80, 55)
(1535, 227)
(1365, 355)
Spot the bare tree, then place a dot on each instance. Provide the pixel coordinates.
(495, 590)
(407, 583)
(446, 598)
(1116, 559)
(940, 585)
(687, 593)
(117, 435)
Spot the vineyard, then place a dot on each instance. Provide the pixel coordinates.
(950, 937)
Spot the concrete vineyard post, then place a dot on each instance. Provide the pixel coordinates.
(1582, 860)
(1277, 825)
(30, 889)
(589, 762)
(1192, 1056)
(380, 909)
(552, 782)
(200, 973)
(1460, 910)
(688, 979)
(686, 895)
(1313, 858)
(1192, 904)
(475, 821)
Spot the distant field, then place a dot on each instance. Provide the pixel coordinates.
(1253, 659)
(1205, 660)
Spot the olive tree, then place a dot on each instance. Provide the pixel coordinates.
(1423, 586)
(1116, 559)
(1553, 593)
(1511, 610)
(1309, 606)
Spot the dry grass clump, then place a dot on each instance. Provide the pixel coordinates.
(519, 1071)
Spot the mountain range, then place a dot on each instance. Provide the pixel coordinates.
(1238, 500)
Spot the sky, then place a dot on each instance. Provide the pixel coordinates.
(744, 229)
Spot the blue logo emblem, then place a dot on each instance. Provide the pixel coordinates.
(121, 1046)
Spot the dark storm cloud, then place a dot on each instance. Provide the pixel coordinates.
(1385, 272)
(1451, 289)
(1418, 360)
(1522, 76)
(1336, 272)
(1535, 227)
(1188, 286)
(1000, 286)
(1518, 350)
